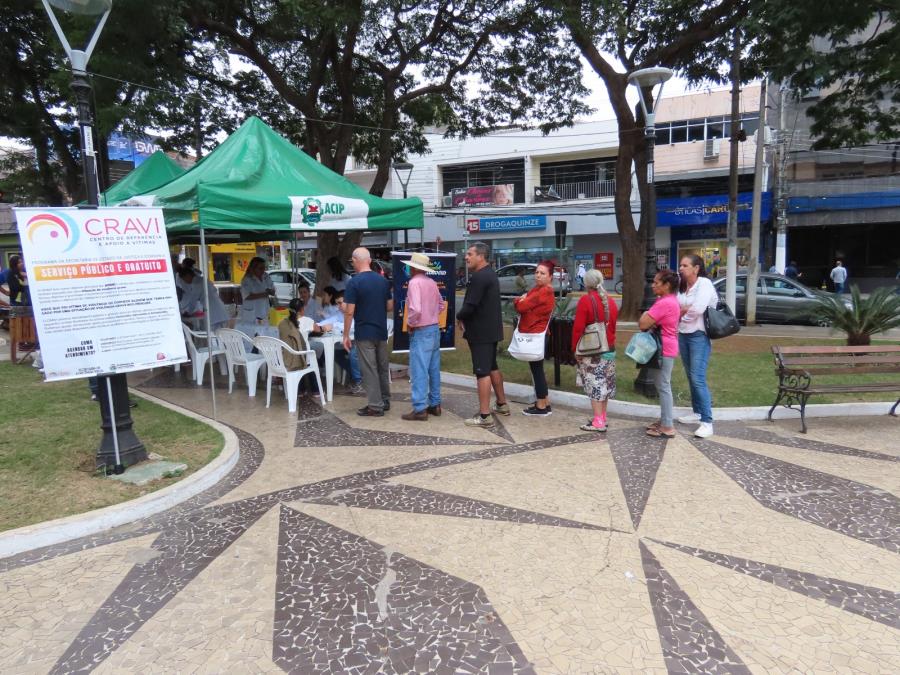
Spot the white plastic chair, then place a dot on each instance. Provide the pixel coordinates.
(200, 355)
(271, 349)
(236, 355)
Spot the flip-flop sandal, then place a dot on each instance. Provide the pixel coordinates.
(659, 433)
(654, 425)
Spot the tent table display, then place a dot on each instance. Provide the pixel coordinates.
(257, 186)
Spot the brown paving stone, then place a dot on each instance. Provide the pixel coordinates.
(527, 570)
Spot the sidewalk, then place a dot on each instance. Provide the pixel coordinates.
(342, 544)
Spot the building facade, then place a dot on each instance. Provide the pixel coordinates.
(511, 188)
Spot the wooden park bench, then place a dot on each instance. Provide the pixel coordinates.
(800, 370)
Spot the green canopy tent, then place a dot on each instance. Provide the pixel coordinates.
(155, 171)
(257, 186)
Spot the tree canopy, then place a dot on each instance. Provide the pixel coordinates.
(846, 50)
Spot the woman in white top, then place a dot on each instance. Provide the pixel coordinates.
(338, 275)
(192, 299)
(696, 293)
(256, 287)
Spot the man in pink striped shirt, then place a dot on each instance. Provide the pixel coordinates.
(423, 309)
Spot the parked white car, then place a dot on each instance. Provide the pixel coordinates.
(284, 282)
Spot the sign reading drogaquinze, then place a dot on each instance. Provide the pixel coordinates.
(102, 288)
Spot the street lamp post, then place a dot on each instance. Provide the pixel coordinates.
(645, 80)
(119, 447)
(407, 168)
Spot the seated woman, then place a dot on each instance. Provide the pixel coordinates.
(192, 299)
(330, 311)
(289, 332)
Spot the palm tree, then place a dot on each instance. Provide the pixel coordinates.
(864, 316)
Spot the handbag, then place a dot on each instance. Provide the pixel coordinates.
(528, 346)
(720, 321)
(642, 347)
(594, 340)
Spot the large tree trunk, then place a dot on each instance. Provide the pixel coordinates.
(631, 237)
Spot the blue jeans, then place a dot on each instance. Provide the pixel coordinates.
(664, 387)
(838, 287)
(425, 367)
(351, 363)
(695, 349)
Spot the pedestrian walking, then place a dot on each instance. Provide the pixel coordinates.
(423, 310)
(791, 271)
(598, 372)
(839, 277)
(696, 294)
(664, 316)
(535, 308)
(367, 300)
(481, 323)
(580, 276)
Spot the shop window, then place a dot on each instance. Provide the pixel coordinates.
(696, 131)
(679, 132)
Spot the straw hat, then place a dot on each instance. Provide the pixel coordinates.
(420, 261)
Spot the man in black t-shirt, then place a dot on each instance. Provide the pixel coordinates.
(481, 323)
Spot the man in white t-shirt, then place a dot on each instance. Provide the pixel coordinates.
(839, 277)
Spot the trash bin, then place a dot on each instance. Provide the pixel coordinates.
(559, 345)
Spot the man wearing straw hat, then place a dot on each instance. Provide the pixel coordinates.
(423, 309)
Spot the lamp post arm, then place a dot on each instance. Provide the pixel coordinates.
(96, 36)
(58, 29)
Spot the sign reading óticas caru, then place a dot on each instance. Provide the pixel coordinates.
(102, 289)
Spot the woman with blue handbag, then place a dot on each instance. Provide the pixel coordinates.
(664, 316)
(535, 308)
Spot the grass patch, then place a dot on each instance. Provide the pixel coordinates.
(741, 372)
(49, 434)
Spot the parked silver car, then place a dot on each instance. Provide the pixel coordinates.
(778, 300)
(507, 276)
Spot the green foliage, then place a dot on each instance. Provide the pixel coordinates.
(865, 317)
(848, 50)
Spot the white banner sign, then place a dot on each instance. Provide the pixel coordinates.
(329, 212)
(102, 288)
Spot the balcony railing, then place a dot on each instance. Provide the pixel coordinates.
(585, 190)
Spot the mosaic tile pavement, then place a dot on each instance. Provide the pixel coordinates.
(339, 544)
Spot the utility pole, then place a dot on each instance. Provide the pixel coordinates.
(731, 260)
(781, 187)
(753, 267)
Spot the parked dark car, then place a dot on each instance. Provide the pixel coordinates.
(778, 300)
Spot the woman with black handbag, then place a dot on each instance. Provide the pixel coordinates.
(663, 317)
(594, 345)
(696, 295)
(535, 307)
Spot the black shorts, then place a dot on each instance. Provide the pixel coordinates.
(484, 358)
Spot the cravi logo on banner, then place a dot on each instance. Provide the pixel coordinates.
(52, 231)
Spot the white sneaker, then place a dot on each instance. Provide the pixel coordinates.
(690, 418)
(705, 430)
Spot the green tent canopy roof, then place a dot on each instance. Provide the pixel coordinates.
(155, 171)
(256, 185)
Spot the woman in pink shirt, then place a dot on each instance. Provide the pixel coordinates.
(664, 316)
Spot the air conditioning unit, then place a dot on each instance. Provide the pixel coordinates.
(711, 148)
(447, 201)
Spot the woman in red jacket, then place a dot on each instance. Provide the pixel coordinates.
(535, 308)
(598, 373)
